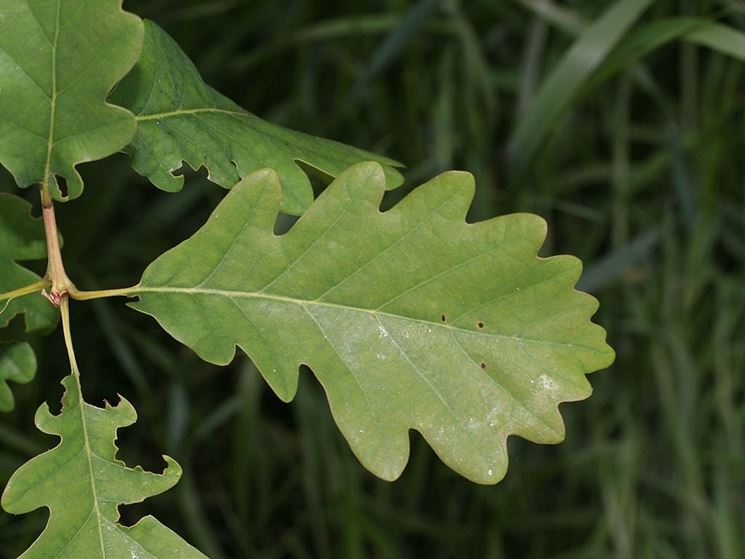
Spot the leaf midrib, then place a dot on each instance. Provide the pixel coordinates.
(376, 313)
(244, 114)
(187, 112)
(88, 457)
(53, 95)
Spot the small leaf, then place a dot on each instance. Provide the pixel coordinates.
(21, 235)
(22, 238)
(411, 319)
(58, 61)
(17, 364)
(181, 119)
(82, 484)
(39, 314)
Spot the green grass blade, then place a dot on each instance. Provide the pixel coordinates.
(722, 38)
(643, 41)
(650, 37)
(568, 77)
(399, 39)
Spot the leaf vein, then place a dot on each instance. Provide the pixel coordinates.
(385, 250)
(260, 295)
(510, 394)
(297, 259)
(428, 382)
(186, 112)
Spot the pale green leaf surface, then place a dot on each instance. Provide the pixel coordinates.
(59, 60)
(410, 319)
(181, 119)
(22, 238)
(17, 364)
(82, 484)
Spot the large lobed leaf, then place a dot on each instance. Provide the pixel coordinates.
(181, 119)
(59, 60)
(410, 319)
(22, 238)
(82, 484)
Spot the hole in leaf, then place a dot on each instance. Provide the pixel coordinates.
(129, 515)
(444, 318)
(61, 185)
(284, 223)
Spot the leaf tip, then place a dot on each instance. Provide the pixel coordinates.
(265, 174)
(172, 470)
(367, 172)
(263, 184)
(43, 417)
(393, 177)
(607, 354)
(387, 462)
(492, 474)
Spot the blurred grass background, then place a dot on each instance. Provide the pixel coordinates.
(622, 123)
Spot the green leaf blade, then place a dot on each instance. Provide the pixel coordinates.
(18, 365)
(56, 69)
(82, 483)
(721, 38)
(410, 319)
(646, 39)
(181, 119)
(38, 313)
(22, 238)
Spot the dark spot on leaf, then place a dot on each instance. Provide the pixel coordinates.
(444, 318)
(480, 325)
(483, 365)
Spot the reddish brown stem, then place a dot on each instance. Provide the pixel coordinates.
(56, 275)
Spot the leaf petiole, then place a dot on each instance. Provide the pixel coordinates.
(65, 311)
(22, 292)
(56, 275)
(102, 294)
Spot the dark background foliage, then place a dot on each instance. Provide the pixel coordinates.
(642, 177)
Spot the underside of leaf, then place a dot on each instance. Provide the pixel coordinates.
(59, 59)
(410, 319)
(181, 119)
(82, 484)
